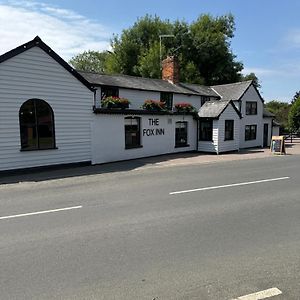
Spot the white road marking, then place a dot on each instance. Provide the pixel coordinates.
(228, 185)
(261, 295)
(40, 212)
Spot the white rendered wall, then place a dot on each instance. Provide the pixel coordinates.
(194, 100)
(231, 145)
(108, 137)
(251, 95)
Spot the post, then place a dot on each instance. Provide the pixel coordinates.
(160, 44)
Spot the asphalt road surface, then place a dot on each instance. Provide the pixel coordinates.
(214, 231)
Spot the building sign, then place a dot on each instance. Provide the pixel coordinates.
(154, 130)
(277, 145)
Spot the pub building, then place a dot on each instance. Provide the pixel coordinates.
(51, 114)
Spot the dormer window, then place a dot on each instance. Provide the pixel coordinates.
(204, 99)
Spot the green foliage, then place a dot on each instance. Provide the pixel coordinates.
(294, 116)
(203, 48)
(281, 112)
(296, 96)
(91, 61)
(252, 77)
(115, 102)
(154, 105)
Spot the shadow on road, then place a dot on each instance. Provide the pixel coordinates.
(75, 170)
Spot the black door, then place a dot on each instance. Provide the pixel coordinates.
(266, 133)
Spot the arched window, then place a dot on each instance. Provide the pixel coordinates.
(36, 125)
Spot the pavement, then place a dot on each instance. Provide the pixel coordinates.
(168, 160)
(203, 158)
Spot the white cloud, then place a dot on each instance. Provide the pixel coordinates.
(261, 71)
(67, 32)
(292, 38)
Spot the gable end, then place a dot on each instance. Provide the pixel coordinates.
(37, 42)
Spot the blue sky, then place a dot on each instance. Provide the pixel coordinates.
(267, 37)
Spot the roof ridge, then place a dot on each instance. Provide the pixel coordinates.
(233, 83)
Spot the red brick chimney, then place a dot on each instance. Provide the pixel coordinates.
(170, 69)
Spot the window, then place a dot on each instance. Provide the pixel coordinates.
(107, 91)
(167, 98)
(229, 129)
(250, 132)
(132, 132)
(181, 134)
(204, 99)
(205, 130)
(251, 108)
(36, 125)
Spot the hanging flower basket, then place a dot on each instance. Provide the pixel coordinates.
(154, 105)
(184, 107)
(115, 102)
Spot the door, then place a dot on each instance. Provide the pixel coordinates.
(266, 134)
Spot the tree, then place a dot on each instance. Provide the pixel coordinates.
(296, 96)
(203, 49)
(92, 61)
(252, 77)
(281, 112)
(294, 116)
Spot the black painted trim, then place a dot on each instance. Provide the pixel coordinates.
(129, 111)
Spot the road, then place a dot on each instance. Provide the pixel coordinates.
(232, 230)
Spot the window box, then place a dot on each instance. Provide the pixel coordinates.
(154, 105)
(115, 102)
(184, 107)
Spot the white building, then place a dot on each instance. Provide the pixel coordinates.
(50, 114)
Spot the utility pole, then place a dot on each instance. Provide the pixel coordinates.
(160, 40)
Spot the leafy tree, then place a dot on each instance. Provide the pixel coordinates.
(296, 96)
(281, 112)
(203, 49)
(294, 116)
(92, 61)
(252, 77)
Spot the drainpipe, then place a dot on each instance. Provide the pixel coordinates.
(197, 142)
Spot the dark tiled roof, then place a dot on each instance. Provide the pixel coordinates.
(213, 109)
(200, 89)
(139, 83)
(232, 91)
(268, 114)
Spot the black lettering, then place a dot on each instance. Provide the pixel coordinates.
(160, 131)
